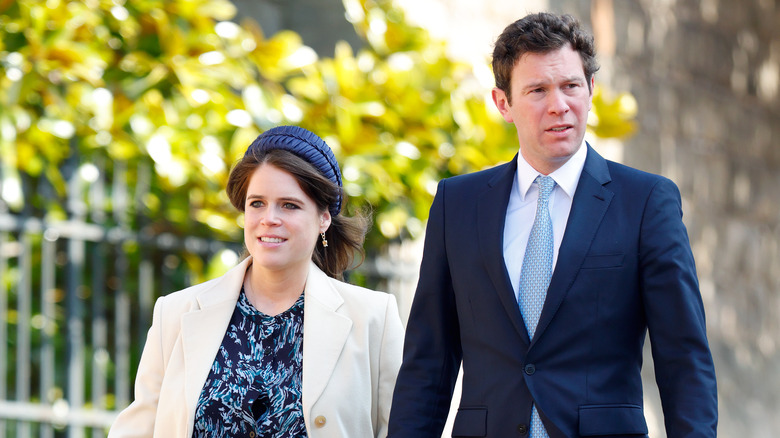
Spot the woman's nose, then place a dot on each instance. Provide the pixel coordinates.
(270, 217)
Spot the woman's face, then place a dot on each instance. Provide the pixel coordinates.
(281, 222)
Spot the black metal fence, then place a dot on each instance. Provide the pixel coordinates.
(76, 300)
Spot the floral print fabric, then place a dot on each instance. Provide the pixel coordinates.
(254, 387)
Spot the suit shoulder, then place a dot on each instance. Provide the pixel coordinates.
(641, 184)
(622, 171)
(469, 182)
(479, 175)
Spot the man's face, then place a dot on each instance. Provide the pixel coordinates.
(550, 103)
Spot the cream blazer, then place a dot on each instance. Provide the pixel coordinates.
(352, 342)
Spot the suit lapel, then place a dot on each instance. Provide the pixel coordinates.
(325, 332)
(589, 206)
(491, 215)
(202, 331)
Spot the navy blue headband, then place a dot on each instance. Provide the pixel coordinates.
(306, 145)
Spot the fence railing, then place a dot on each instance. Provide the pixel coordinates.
(76, 301)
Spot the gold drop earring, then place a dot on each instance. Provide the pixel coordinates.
(324, 240)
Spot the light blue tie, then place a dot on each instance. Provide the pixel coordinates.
(535, 275)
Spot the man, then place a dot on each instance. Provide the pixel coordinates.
(544, 274)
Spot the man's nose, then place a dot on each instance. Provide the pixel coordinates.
(557, 103)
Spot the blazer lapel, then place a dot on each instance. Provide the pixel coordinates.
(589, 206)
(324, 334)
(491, 215)
(202, 331)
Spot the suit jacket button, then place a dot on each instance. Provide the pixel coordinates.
(530, 369)
(522, 429)
(319, 421)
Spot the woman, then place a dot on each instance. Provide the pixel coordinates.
(278, 346)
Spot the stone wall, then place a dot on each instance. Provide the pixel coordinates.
(321, 23)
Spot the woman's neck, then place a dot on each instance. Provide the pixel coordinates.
(273, 292)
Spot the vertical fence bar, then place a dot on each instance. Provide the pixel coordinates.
(23, 338)
(48, 312)
(145, 296)
(122, 302)
(3, 324)
(75, 324)
(99, 332)
(145, 268)
(100, 355)
(122, 333)
(75, 290)
(3, 307)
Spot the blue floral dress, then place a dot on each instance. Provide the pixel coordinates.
(254, 387)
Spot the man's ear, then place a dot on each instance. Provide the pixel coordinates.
(502, 103)
(592, 90)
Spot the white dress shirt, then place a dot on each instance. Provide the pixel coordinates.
(522, 208)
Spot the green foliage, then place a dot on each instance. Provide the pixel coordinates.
(402, 115)
(172, 87)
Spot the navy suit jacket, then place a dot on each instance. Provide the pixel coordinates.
(624, 267)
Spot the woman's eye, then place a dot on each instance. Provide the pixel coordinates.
(256, 204)
(289, 206)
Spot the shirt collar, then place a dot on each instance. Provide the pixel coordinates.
(566, 177)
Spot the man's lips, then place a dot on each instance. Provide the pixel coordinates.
(559, 128)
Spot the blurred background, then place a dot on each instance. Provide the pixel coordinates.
(120, 121)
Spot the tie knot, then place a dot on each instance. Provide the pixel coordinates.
(546, 185)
